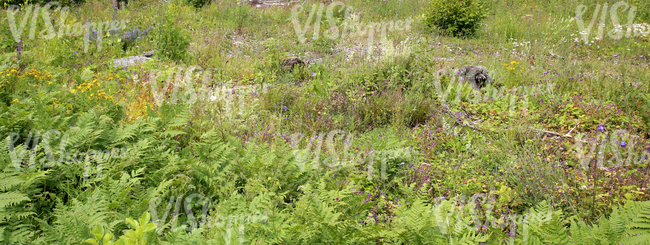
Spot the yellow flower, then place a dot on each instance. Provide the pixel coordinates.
(73, 90)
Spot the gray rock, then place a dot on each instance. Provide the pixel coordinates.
(133, 60)
(148, 54)
(477, 76)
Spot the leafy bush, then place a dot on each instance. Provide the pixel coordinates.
(171, 41)
(456, 18)
(197, 3)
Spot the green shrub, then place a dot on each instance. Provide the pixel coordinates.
(197, 3)
(171, 41)
(456, 18)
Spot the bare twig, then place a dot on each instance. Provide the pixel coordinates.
(567, 135)
(551, 132)
(573, 129)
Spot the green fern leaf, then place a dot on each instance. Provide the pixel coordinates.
(9, 199)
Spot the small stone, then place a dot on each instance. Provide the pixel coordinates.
(477, 76)
(291, 62)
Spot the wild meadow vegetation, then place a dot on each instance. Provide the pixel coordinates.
(215, 140)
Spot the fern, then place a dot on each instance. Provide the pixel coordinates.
(16, 210)
(180, 236)
(9, 180)
(542, 225)
(180, 120)
(626, 225)
(214, 167)
(9, 199)
(74, 222)
(12, 216)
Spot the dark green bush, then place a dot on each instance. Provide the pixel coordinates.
(197, 3)
(455, 17)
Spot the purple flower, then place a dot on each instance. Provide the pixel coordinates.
(285, 108)
(623, 144)
(313, 74)
(600, 128)
(367, 198)
(616, 55)
(20, 47)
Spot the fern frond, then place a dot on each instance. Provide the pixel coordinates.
(9, 199)
(9, 181)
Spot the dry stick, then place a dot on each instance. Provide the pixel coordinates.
(551, 132)
(567, 135)
(573, 128)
